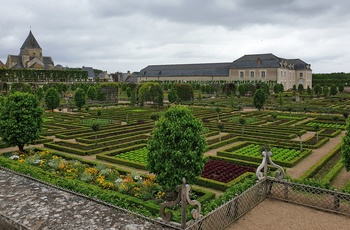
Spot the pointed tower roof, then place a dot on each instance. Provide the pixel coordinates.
(30, 43)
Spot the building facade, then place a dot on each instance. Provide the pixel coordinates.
(30, 56)
(249, 68)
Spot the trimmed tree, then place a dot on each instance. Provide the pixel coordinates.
(20, 119)
(317, 89)
(345, 149)
(52, 99)
(259, 99)
(172, 95)
(176, 148)
(242, 121)
(80, 98)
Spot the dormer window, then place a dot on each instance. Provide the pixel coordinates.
(259, 61)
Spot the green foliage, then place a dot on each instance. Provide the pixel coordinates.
(150, 91)
(172, 95)
(300, 88)
(133, 98)
(80, 98)
(333, 90)
(184, 92)
(317, 89)
(92, 93)
(176, 148)
(346, 147)
(52, 98)
(128, 91)
(229, 89)
(242, 90)
(40, 93)
(21, 87)
(20, 119)
(308, 90)
(341, 88)
(276, 88)
(259, 99)
(325, 90)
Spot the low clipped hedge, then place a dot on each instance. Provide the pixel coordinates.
(316, 167)
(288, 164)
(330, 176)
(220, 185)
(58, 147)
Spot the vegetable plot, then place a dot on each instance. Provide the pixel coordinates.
(280, 154)
(138, 155)
(224, 171)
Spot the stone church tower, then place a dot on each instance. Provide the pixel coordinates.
(30, 56)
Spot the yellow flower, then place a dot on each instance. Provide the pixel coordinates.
(21, 160)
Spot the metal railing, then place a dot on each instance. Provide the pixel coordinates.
(319, 198)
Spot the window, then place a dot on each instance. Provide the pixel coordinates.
(241, 74)
(281, 73)
(251, 73)
(263, 74)
(301, 75)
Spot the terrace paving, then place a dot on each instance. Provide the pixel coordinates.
(37, 206)
(276, 215)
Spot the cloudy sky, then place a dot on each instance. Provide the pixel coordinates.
(116, 35)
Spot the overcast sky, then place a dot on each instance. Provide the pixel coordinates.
(116, 35)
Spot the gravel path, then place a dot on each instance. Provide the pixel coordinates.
(276, 215)
(314, 157)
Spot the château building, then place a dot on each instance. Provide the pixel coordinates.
(30, 56)
(248, 68)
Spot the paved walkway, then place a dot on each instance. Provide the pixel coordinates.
(37, 206)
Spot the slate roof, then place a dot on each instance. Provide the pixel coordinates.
(266, 61)
(90, 70)
(206, 69)
(30, 42)
(251, 61)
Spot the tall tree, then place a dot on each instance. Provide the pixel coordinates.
(317, 89)
(80, 98)
(300, 88)
(172, 95)
(259, 99)
(92, 93)
(242, 121)
(20, 119)
(176, 148)
(333, 90)
(52, 98)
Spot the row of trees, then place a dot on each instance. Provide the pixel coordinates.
(34, 75)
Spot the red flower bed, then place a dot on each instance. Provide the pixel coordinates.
(224, 171)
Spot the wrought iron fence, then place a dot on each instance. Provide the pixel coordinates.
(229, 212)
(319, 198)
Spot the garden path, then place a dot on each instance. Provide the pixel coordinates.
(342, 178)
(314, 157)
